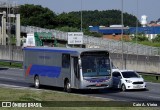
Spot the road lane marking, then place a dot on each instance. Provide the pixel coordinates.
(154, 97)
(13, 79)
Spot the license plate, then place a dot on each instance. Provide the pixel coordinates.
(137, 87)
(98, 84)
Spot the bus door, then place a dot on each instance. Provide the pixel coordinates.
(75, 76)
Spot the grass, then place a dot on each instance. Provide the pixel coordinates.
(12, 65)
(151, 78)
(12, 94)
(40, 95)
(149, 43)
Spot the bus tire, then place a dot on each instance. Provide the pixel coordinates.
(36, 82)
(67, 86)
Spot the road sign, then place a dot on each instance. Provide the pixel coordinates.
(75, 37)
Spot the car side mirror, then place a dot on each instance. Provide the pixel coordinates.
(140, 76)
(119, 77)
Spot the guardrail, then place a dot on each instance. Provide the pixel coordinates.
(151, 74)
(148, 73)
(10, 61)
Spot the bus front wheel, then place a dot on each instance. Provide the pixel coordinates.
(36, 82)
(67, 86)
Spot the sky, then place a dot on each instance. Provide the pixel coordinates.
(150, 8)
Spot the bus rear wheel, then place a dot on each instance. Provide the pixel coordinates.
(67, 86)
(36, 82)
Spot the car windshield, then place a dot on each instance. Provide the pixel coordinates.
(130, 74)
(94, 66)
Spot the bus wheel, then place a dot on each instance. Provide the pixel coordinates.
(67, 86)
(36, 82)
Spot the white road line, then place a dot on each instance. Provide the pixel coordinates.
(16, 68)
(154, 97)
(10, 78)
(17, 87)
(153, 83)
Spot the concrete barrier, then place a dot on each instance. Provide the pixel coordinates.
(11, 53)
(142, 63)
(137, 62)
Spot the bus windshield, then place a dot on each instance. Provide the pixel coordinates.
(94, 66)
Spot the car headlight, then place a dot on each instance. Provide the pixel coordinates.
(128, 81)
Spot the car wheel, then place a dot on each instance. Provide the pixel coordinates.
(36, 82)
(123, 87)
(67, 86)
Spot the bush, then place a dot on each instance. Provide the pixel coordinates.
(156, 39)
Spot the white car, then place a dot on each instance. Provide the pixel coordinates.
(127, 79)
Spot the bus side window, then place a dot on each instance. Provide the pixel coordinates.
(65, 60)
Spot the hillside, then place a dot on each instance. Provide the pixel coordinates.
(36, 15)
(106, 18)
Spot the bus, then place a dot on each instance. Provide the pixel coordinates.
(70, 68)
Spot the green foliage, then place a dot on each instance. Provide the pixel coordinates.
(13, 40)
(156, 39)
(151, 78)
(140, 37)
(11, 64)
(106, 18)
(95, 34)
(68, 29)
(68, 20)
(149, 43)
(36, 15)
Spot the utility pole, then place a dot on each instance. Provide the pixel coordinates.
(122, 60)
(81, 20)
(137, 36)
(81, 17)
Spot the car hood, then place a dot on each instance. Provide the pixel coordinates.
(135, 79)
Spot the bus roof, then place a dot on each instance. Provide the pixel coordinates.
(62, 49)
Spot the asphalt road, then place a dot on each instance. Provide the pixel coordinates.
(15, 78)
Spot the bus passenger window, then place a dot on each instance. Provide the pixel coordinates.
(65, 60)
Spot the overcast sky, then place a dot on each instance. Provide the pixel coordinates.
(151, 8)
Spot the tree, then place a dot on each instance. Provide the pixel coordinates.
(68, 29)
(156, 39)
(140, 37)
(105, 18)
(36, 15)
(68, 20)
